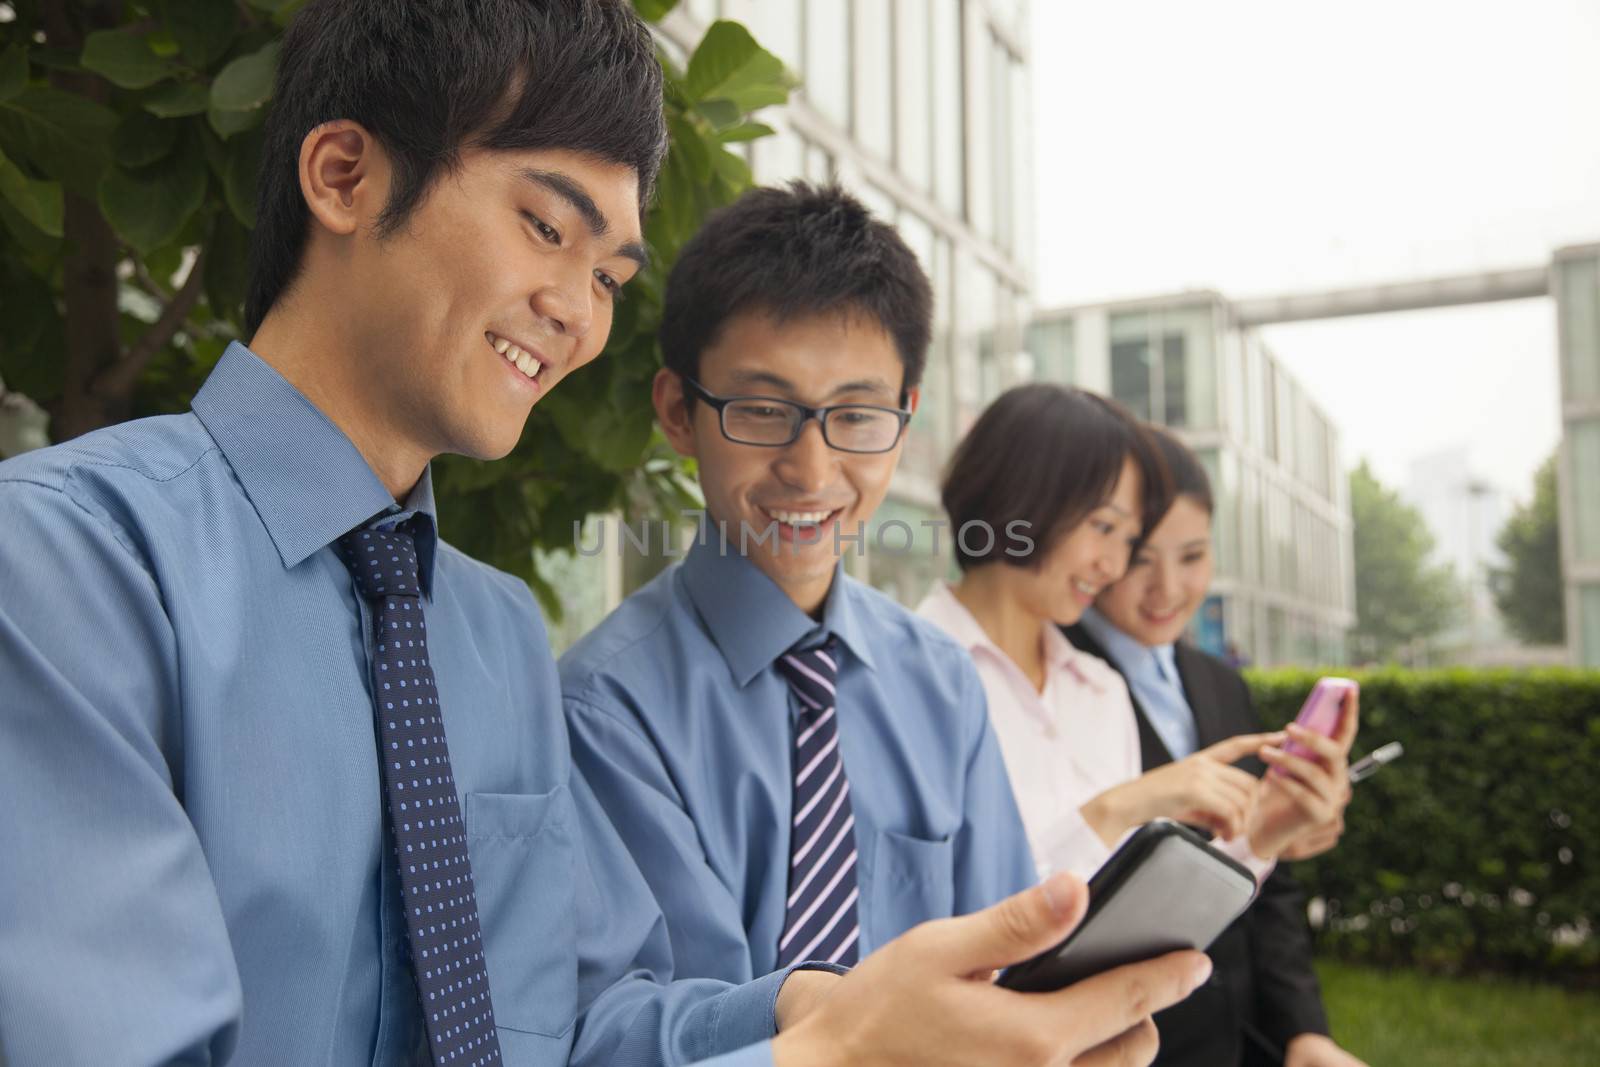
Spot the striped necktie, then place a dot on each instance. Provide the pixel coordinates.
(419, 789)
(819, 920)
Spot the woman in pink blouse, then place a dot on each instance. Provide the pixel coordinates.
(1079, 476)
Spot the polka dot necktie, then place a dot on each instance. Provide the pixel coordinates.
(819, 921)
(424, 812)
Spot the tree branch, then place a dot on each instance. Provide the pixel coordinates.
(117, 380)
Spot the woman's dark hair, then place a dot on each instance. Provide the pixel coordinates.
(1189, 476)
(429, 78)
(794, 253)
(1046, 455)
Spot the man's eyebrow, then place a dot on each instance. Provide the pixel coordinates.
(760, 377)
(580, 201)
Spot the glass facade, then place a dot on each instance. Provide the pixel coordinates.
(1576, 285)
(1163, 366)
(1579, 303)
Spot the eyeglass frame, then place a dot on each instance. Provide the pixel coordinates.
(807, 413)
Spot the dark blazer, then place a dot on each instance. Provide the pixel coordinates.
(1262, 990)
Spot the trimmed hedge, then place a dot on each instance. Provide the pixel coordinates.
(1479, 850)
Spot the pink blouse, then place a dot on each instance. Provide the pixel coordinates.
(1063, 746)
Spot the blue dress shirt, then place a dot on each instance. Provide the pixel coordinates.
(684, 729)
(192, 857)
(1152, 674)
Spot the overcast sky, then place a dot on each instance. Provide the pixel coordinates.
(1257, 147)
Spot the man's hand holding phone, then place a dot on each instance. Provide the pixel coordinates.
(927, 998)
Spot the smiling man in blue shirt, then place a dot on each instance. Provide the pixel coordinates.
(802, 768)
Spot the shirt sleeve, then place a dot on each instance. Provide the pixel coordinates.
(631, 1014)
(116, 950)
(1239, 849)
(993, 857)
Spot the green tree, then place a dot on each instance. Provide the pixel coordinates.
(1401, 599)
(130, 138)
(1528, 590)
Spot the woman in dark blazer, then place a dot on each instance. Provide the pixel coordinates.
(1262, 1004)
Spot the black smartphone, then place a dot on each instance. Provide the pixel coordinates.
(1165, 889)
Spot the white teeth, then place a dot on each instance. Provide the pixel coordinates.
(798, 517)
(526, 363)
(501, 344)
(1084, 588)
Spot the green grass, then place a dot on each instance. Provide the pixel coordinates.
(1404, 1019)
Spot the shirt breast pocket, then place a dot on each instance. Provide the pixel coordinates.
(523, 854)
(912, 881)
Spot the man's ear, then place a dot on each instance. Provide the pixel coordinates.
(672, 411)
(344, 176)
(913, 398)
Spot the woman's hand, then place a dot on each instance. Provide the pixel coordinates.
(1201, 790)
(1299, 810)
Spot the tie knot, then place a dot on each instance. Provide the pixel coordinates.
(812, 672)
(383, 562)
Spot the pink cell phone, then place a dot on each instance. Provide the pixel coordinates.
(1322, 711)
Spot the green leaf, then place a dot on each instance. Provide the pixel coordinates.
(62, 134)
(124, 58)
(730, 65)
(164, 44)
(142, 139)
(227, 263)
(689, 145)
(203, 28)
(149, 207)
(13, 71)
(239, 176)
(719, 112)
(745, 131)
(246, 83)
(654, 10)
(38, 201)
(732, 169)
(229, 123)
(177, 99)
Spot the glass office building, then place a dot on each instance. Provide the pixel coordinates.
(1575, 283)
(919, 107)
(1284, 590)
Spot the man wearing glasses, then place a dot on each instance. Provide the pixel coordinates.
(802, 769)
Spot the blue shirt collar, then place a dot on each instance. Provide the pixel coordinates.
(751, 620)
(1127, 654)
(303, 476)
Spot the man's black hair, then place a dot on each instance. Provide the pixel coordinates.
(429, 78)
(794, 253)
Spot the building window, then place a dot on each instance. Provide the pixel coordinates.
(1583, 444)
(1175, 407)
(827, 74)
(1051, 345)
(1589, 624)
(1580, 327)
(873, 74)
(949, 121)
(913, 98)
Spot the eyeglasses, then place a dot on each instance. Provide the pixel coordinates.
(770, 422)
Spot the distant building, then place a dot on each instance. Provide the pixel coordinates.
(1285, 588)
(1575, 283)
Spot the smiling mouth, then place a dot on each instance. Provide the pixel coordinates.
(1084, 588)
(794, 521)
(531, 366)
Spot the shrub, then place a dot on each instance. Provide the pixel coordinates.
(1480, 849)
